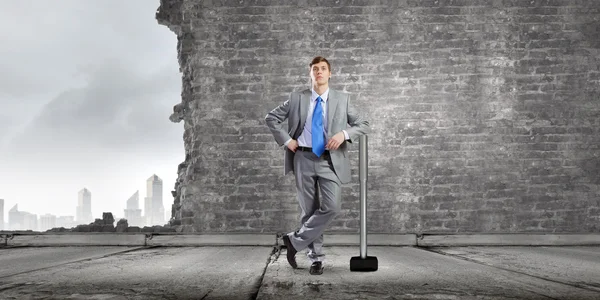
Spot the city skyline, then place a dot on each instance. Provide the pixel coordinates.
(89, 111)
(149, 217)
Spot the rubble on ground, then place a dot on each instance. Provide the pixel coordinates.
(106, 224)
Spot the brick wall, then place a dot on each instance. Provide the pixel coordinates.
(485, 115)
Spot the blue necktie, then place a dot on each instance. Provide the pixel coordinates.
(318, 138)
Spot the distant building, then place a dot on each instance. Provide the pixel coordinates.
(154, 211)
(47, 221)
(21, 220)
(147, 211)
(30, 221)
(15, 218)
(134, 201)
(84, 207)
(132, 212)
(1, 214)
(66, 222)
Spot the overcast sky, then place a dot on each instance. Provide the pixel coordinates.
(86, 91)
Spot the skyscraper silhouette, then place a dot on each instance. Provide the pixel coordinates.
(15, 218)
(84, 207)
(2, 214)
(154, 211)
(133, 213)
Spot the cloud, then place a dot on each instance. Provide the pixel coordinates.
(117, 109)
(85, 76)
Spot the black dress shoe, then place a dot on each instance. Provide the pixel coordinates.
(291, 252)
(316, 268)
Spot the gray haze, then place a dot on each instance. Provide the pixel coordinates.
(86, 91)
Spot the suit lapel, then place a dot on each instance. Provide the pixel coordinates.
(332, 102)
(304, 103)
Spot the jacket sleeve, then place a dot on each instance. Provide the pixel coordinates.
(358, 125)
(275, 119)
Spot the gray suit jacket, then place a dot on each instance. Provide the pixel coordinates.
(340, 114)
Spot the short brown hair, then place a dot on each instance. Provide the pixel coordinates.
(319, 59)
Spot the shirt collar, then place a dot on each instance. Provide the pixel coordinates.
(325, 95)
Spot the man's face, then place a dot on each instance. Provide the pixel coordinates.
(320, 73)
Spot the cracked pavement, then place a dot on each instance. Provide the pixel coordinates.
(254, 272)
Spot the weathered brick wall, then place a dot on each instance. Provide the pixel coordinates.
(485, 115)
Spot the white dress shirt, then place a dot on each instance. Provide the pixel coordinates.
(305, 138)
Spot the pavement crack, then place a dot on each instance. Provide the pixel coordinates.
(11, 286)
(205, 295)
(508, 270)
(273, 256)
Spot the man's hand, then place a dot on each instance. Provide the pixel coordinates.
(293, 145)
(335, 141)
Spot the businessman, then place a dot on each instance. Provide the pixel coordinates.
(316, 152)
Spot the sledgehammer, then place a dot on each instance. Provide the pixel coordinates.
(363, 263)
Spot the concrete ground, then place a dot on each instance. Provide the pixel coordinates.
(262, 272)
